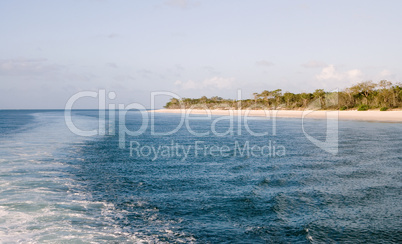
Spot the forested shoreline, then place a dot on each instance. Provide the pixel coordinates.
(366, 95)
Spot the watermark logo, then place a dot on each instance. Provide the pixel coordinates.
(204, 149)
(237, 122)
(330, 144)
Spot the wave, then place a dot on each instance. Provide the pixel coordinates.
(39, 200)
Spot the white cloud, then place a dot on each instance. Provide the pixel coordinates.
(314, 64)
(385, 72)
(387, 75)
(354, 74)
(211, 83)
(330, 73)
(219, 82)
(264, 63)
(26, 67)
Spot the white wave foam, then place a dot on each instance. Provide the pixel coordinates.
(40, 202)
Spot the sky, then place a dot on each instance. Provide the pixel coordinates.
(51, 50)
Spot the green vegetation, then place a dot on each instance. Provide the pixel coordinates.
(383, 109)
(361, 96)
(363, 107)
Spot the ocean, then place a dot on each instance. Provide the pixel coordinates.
(204, 180)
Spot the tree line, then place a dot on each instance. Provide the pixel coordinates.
(362, 96)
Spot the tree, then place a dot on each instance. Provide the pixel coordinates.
(320, 94)
(277, 94)
(288, 98)
(266, 94)
(350, 102)
(365, 88)
(384, 84)
(216, 98)
(256, 96)
(368, 94)
(306, 97)
(396, 94)
(385, 93)
(203, 99)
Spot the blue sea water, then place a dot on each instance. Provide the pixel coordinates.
(58, 187)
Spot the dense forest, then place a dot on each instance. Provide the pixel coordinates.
(363, 96)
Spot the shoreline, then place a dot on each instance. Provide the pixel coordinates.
(371, 115)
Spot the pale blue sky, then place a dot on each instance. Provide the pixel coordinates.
(52, 49)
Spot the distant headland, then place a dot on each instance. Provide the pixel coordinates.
(364, 101)
(363, 96)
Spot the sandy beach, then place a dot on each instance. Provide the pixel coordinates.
(378, 116)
